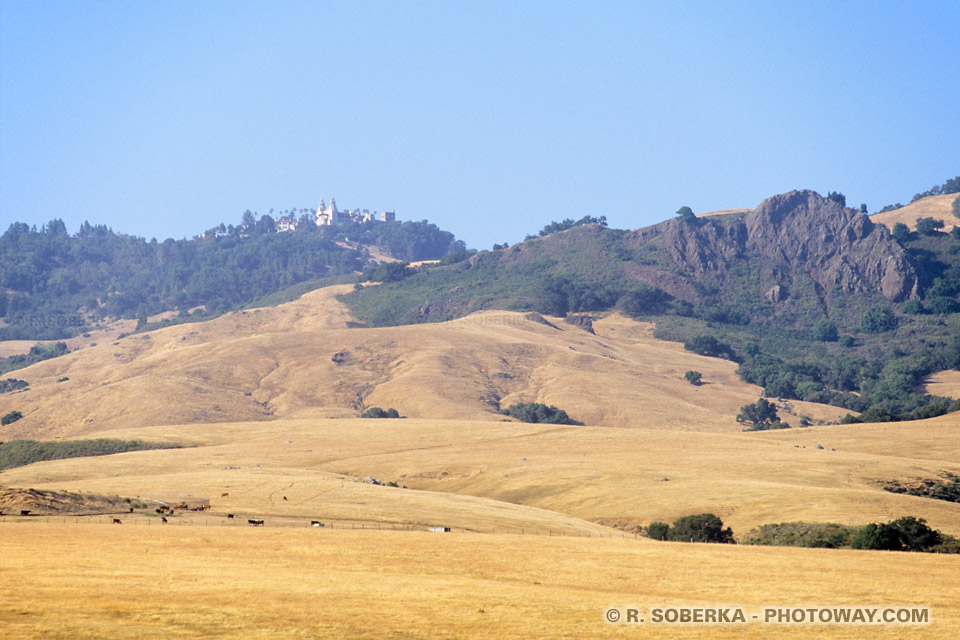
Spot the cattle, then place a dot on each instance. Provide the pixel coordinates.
(315, 523)
(229, 516)
(284, 498)
(131, 509)
(224, 494)
(163, 520)
(116, 521)
(24, 512)
(255, 523)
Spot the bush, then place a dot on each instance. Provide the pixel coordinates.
(877, 536)
(837, 197)
(710, 346)
(801, 534)
(12, 384)
(928, 226)
(901, 232)
(825, 331)
(878, 320)
(847, 341)
(704, 527)
(377, 412)
(537, 413)
(387, 272)
(658, 530)
(10, 418)
(686, 214)
(693, 377)
(762, 412)
(956, 207)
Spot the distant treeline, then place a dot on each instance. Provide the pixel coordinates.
(53, 284)
(18, 453)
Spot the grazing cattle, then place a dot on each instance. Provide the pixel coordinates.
(131, 509)
(224, 494)
(24, 512)
(284, 498)
(229, 516)
(314, 523)
(255, 523)
(116, 521)
(163, 520)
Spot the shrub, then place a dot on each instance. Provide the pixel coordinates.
(704, 527)
(928, 226)
(912, 307)
(693, 377)
(658, 530)
(846, 341)
(801, 534)
(12, 384)
(10, 418)
(825, 331)
(387, 272)
(377, 412)
(878, 320)
(709, 346)
(901, 232)
(537, 413)
(686, 214)
(915, 535)
(877, 536)
(956, 207)
(761, 412)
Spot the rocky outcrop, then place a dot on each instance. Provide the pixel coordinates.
(836, 246)
(799, 232)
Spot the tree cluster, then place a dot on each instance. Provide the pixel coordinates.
(703, 527)
(537, 413)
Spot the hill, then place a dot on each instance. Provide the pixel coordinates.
(302, 359)
(811, 298)
(54, 285)
(937, 207)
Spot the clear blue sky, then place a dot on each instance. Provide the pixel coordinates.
(490, 119)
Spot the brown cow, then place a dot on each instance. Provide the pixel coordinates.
(163, 520)
(224, 494)
(284, 498)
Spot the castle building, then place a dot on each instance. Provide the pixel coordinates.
(330, 215)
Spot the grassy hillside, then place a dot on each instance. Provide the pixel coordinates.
(937, 207)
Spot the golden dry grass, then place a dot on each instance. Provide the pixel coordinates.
(279, 363)
(511, 475)
(943, 383)
(92, 581)
(936, 207)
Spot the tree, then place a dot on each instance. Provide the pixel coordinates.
(877, 536)
(956, 208)
(377, 412)
(915, 535)
(901, 232)
(693, 377)
(709, 346)
(761, 412)
(704, 527)
(658, 530)
(837, 197)
(878, 320)
(537, 413)
(10, 418)
(825, 331)
(863, 207)
(686, 214)
(928, 226)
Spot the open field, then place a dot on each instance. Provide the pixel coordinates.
(507, 474)
(93, 581)
(936, 207)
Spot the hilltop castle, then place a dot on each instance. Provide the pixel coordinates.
(328, 215)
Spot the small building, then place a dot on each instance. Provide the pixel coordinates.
(439, 529)
(287, 224)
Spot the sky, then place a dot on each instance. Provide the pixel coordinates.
(489, 119)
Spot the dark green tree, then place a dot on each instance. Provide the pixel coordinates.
(825, 331)
(877, 536)
(837, 197)
(10, 418)
(658, 530)
(878, 320)
(704, 527)
(928, 226)
(915, 535)
(901, 232)
(761, 412)
(686, 214)
(693, 377)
